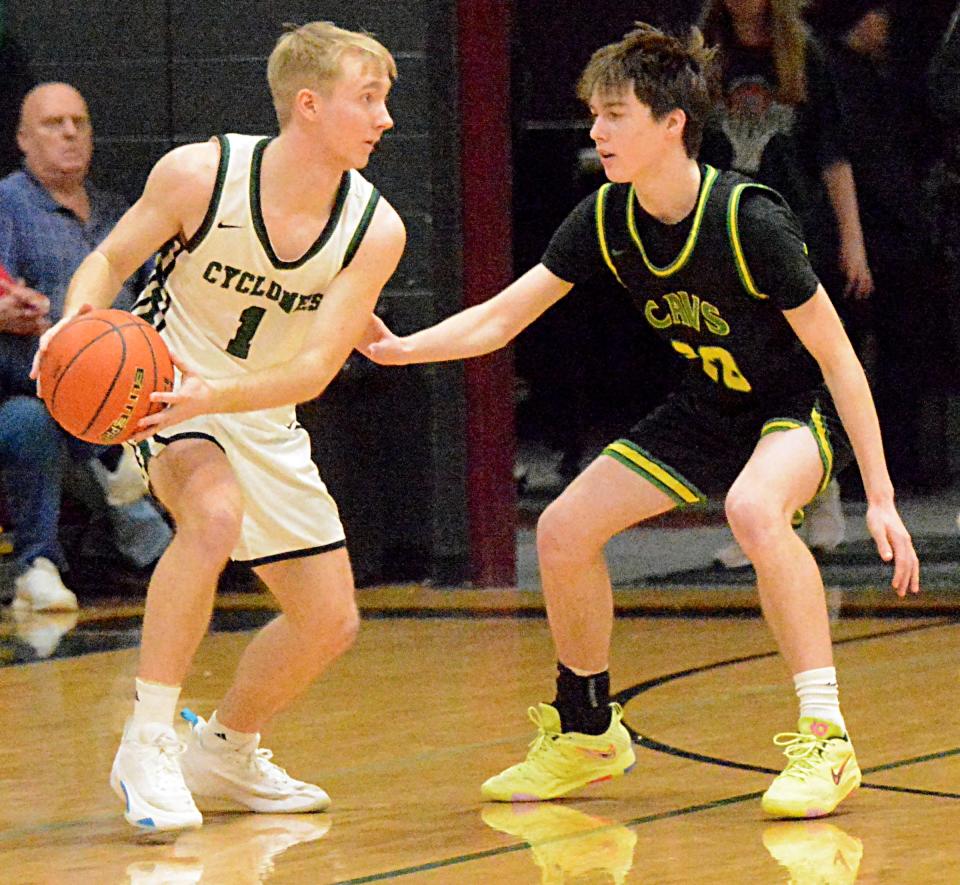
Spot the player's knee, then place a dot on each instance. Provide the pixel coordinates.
(751, 517)
(347, 628)
(339, 627)
(559, 538)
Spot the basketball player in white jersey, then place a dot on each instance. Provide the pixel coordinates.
(272, 255)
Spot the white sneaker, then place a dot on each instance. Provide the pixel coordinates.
(825, 524)
(731, 556)
(123, 485)
(40, 589)
(146, 775)
(222, 776)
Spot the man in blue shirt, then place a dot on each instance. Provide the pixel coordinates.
(51, 217)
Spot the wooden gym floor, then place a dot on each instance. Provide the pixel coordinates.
(433, 699)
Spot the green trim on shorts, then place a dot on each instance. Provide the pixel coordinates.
(820, 434)
(671, 483)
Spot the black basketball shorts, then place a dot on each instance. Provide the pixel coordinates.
(691, 450)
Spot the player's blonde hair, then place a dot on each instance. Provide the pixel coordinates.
(309, 57)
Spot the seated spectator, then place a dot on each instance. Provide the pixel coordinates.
(50, 218)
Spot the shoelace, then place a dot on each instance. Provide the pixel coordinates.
(167, 768)
(544, 739)
(800, 750)
(260, 763)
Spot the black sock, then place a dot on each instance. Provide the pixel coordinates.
(583, 701)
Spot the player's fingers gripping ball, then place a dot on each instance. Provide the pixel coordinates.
(98, 372)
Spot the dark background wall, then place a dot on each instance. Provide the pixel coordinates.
(157, 73)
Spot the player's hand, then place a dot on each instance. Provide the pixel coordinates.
(193, 396)
(856, 270)
(380, 345)
(45, 339)
(894, 544)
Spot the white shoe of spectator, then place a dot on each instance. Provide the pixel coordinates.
(825, 524)
(123, 485)
(731, 556)
(40, 589)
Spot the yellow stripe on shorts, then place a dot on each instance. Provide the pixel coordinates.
(662, 477)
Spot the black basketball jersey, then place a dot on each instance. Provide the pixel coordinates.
(706, 299)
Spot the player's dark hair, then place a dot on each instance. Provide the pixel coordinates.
(665, 73)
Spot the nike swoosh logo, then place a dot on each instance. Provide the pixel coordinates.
(221, 224)
(618, 252)
(609, 753)
(839, 773)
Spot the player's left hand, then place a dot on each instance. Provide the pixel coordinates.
(895, 544)
(856, 270)
(193, 396)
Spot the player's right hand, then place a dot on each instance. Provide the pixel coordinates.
(381, 346)
(45, 339)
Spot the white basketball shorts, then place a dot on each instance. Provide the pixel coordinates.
(288, 511)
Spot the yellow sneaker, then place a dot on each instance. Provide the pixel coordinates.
(814, 852)
(821, 771)
(567, 844)
(559, 762)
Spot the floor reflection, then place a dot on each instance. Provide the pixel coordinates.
(567, 844)
(42, 631)
(238, 849)
(814, 852)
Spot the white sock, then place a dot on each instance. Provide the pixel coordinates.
(819, 695)
(155, 703)
(228, 737)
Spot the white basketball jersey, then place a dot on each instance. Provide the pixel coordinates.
(224, 300)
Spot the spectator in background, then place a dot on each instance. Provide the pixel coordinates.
(778, 122)
(50, 218)
(884, 103)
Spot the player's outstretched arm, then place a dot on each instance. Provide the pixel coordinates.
(475, 331)
(819, 328)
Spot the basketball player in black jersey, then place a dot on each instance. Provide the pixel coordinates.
(717, 265)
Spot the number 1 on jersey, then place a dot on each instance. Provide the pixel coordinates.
(239, 345)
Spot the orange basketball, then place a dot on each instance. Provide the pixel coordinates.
(98, 372)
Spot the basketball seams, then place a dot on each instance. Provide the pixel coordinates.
(113, 383)
(87, 374)
(110, 328)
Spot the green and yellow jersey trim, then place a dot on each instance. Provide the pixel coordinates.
(686, 251)
(601, 233)
(663, 477)
(820, 434)
(733, 227)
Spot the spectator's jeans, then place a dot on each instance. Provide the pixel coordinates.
(32, 454)
(33, 450)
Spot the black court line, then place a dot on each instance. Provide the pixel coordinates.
(657, 746)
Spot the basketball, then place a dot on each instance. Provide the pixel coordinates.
(98, 372)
